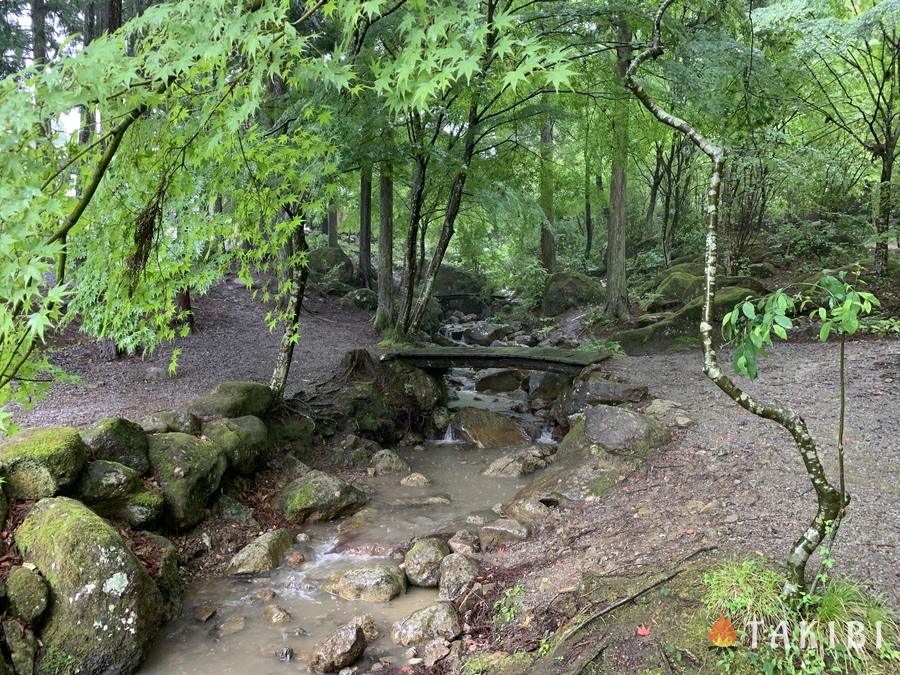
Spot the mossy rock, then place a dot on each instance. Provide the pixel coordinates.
(489, 429)
(373, 582)
(121, 441)
(262, 554)
(674, 289)
(681, 329)
(330, 263)
(568, 289)
(422, 562)
(292, 432)
(762, 270)
(361, 299)
(41, 462)
(27, 594)
(242, 439)
(500, 663)
(759, 288)
(464, 287)
(140, 509)
(317, 496)
(188, 470)
(689, 267)
(234, 399)
(105, 608)
(166, 575)
(104, 480)
(428, 391)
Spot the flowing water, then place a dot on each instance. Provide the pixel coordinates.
(239, 640)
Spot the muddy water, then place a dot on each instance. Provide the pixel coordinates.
(239, 640)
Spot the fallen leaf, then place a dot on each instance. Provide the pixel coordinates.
(643, 631)
(722, 633)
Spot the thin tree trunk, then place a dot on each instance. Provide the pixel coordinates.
(39, 31)
(548, 244)
(885, 208)
(110, 16)
(616, 288)
(588, 216)
(829, 506)
(299, 272)
(654, 185)
(410, 259)
(332, 221)
(365, 225)
(384, 314)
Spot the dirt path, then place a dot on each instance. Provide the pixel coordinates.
(735, 481)
(232, 342)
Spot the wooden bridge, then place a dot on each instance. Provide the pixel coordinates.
(568, 361)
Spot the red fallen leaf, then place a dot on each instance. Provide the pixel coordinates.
(722, 633)
(643, 631)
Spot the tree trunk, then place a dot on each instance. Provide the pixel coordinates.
(365, 225)
(885, 208)
(185, 311)
(829, 506)
(654, 185)
(332, 220)
(408, 288)
(548, 245)
(39, 31)
(110, 16)
(384, 314)
(588, 216)
(616, 288)
(299, 272)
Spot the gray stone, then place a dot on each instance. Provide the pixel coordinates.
(332, 264)
(423, 562)
(521, 463)
(435, 621)
(340, 649)
(465, 542)
(567, 289)
(415, 480)
(488, 429)
(546, 386)
(484, 334)
(388, 461)
(378, 582)
(499, 379)
(234, 399)
(619, 431)
(457, 571)
(27, 594)
(22, 646)
(263, 554)
(501, 532)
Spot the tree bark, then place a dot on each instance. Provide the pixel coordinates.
(408, 287)
(548, 244)
(829, 507)
(299, 271)
(365, 225)
(384, 314)
(885, 208)
(654, 186)
(39, 31)
(110, 16)
(332, 221)
(616, 288)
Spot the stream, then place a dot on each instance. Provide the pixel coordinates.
(238, 639)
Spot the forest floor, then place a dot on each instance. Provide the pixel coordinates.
(731, 480)
(231, 342)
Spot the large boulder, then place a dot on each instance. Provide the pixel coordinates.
(105, 608)
(675, 289)
(234, 399)
(189, 471)
(140, 509)
(330, 263)
(242, 439)
(422, 562)
(119, 440)
(439, 620)
(521, 463)
(681, 329)
(567, 289)
(546, 386)
(361, 298)
(317, 496)
(340, 649)
(294, 432)
(501, 532)
(484, 333)
(388, 461)
(606, 443)
(499, 379)
(376, 582)
(593, 387)
(459, 290)
(457, 571)
(41, 462)
(489, 429)
(428, 391)
(263, 554)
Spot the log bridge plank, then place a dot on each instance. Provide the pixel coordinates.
(568, 361)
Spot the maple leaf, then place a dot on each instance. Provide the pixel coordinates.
(722, 633)
(643, 631)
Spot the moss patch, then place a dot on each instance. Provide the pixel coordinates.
(41, 462)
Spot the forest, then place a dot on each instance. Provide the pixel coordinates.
(479, 337)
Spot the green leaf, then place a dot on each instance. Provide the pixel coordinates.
(749, 310)
(825, 331)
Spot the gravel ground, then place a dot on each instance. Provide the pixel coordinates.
(231, 342)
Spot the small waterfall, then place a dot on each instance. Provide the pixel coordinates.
(450, 436)
(546, 436)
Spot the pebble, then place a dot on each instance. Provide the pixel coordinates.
(266, 595)
(276, 614)
(415, 480)
(286, 654)
(302, 538)
(410, 653)
(232, 625)
(475, 519)
(295, 559)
